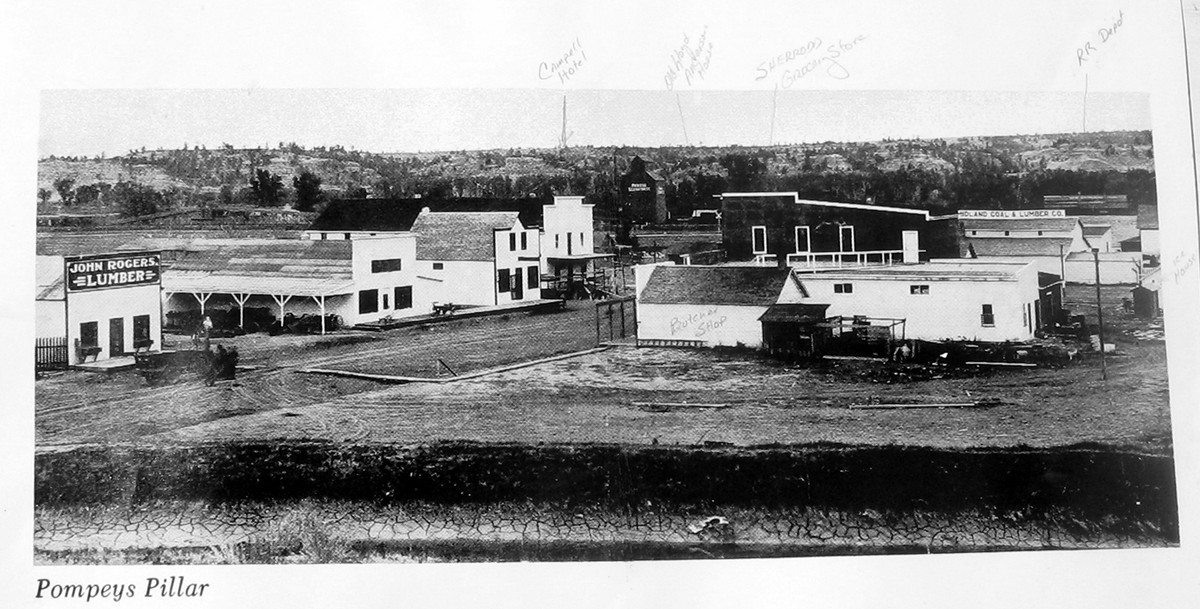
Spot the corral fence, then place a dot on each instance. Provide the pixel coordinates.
(616, 319)
(51, 353)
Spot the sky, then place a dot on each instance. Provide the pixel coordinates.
(112, 122)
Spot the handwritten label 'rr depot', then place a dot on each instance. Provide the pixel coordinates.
(1084, 53)
(807, 58)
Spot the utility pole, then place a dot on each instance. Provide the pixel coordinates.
(1100, 315)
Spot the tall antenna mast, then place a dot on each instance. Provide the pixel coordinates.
(562, 139)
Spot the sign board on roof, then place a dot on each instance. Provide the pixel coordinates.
(1010, 214)
(112, 271)
(639, 187)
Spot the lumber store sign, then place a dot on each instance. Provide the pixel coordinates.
(1011, 214)
(99, 272)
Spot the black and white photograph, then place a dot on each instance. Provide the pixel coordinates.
(696, 291)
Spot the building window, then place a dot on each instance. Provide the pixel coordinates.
(504, 281)
(580, 239)
(846, 238)
(386, 304)
(89, 334)
(556, 236)
(987, 318)
(843, 288)
(324, 236)
(803, 240)
(1040, 233)
(918, 289)
(524, 241)
(974, 232)
(758, 238)
(386, 266)
(437, 266)
(404, 297)
(533, 278)
(368, 301)
(347, 235)
(1025, 315)
(512, 242)
(1006, 233)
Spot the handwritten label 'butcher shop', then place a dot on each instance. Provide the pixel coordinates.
(698, 324)
(112, 272)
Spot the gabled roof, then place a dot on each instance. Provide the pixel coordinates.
(354, 215)
(1020, 246)
(1095, 230)
(1147, 217)
(460, 235)
(716, 285)
(1061, 225)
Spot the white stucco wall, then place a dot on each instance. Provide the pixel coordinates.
(469, 282)
(715, 325)
(401, 246)
(951, 309)
(102, 305)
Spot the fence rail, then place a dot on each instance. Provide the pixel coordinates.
(51, 353)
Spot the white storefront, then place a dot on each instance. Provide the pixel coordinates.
(105, 305)
(476, 258)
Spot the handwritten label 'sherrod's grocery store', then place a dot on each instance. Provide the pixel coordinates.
(810, 53)
(689, 60)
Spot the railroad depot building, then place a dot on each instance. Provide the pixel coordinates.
(100, 306)
(361, 280)
(783, 228)
(476, 258)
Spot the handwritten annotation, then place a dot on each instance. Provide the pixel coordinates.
(565, 67)
(689, 60)
(1084, 53)
(810, 53)
(1182, 263)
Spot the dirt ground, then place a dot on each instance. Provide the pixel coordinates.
(622, 395)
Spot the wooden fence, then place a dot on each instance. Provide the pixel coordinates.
(51, 353)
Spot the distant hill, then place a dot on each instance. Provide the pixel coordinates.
(1003, 171)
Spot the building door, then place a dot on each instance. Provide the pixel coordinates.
(116, 336)
(141, 332)
(569, 248)
(89, 334)
(846, 238)
(911, 244)
(518, 288)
